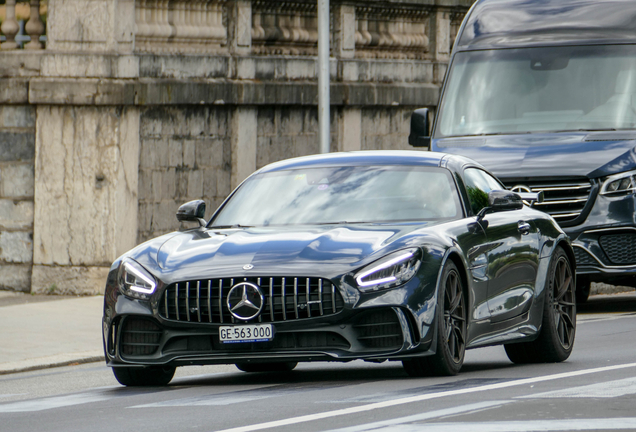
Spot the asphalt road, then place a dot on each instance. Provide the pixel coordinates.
(594, 390)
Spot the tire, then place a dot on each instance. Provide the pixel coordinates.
(451, 330)
(558, 328)
(147, 376)
(583, 286)
(267, 367)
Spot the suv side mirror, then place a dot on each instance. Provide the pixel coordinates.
(420, 135)
(193, 211)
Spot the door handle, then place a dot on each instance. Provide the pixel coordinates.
(523, 227)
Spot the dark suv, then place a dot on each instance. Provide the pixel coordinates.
(543, 93)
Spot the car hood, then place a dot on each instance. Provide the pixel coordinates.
(548, 155)
(276, 248)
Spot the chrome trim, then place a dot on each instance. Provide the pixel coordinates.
(176, 299)
(271, 298)
(209, 299)
(320, 295)
(296, 297)
(199, 300)
(284, 301)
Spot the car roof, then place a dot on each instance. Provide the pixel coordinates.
(523, 23)
(372, 157)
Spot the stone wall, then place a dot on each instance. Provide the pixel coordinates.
(136, 106)
(17, 151)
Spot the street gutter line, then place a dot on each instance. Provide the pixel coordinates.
(429, 396)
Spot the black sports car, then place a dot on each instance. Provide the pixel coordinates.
(409, 256)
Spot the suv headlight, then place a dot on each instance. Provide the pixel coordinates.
(135, 281)
(393, 270)
(622, 183)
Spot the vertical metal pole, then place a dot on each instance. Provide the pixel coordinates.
(323, 76)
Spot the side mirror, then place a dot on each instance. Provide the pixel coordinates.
(501, 200)
(420, 135)
(193, 211)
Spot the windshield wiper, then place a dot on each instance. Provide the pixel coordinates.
(589, 130)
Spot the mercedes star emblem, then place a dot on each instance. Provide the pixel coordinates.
(520, 188)
(245, 301)
(248, 267)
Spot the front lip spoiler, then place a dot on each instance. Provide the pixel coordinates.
(225, 358)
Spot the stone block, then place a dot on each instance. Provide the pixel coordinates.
(14, 91)
(183, 67)
(90, 66)
(16, 247)
(189, 151)
(195, 184)
(263, 151)
(67, 280)
(17, 146)
(218, 122)
(16, 181)
(15, 277)
(209, 177)
(266, 121)
(175, 152)
(16, 215)
(151, 122)
(291, 121)
(81, 91)
(17, 116)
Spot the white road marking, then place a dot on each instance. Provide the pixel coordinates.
(608, 389)
(52, 402)
(419, 398)
(593, 318)
(578, 424)
(425, 416)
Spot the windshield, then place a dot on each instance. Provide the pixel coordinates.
(540, 90)
(342, 195)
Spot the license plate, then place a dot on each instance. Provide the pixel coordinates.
(246, 333)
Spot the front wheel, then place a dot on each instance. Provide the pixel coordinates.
(451, 330)
(144, 376)
(556, 340)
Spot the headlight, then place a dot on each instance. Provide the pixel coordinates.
(622, 183)
(391, 271)
(135, 281)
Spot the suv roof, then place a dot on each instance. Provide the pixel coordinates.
(523, 23)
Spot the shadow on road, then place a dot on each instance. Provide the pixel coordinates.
(608, 303)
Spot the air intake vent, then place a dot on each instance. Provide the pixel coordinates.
(564, 198)
(620, 248)
(583, 258)
(285, 298)
(139, 337)
(379, 329)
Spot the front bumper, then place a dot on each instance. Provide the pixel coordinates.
(139, 336)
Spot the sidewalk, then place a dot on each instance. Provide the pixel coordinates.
(37, 332)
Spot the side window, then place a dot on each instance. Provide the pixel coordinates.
(478, 184)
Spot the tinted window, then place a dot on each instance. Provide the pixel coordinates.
(478, 184)
(343, 194)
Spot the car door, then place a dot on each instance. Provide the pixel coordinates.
(511, 250)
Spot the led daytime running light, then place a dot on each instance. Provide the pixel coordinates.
(382, 266)
(128, 268)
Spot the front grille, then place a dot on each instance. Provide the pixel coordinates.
(379, 329)
(619, 248)
(139, 337)
(583, 258)
(563, 198)
(285, 298)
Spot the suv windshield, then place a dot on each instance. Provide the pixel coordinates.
(342, 195)
(540, 90)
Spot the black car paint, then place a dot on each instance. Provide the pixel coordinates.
(514, 158)
(319, 251)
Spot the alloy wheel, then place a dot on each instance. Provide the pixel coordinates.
(454, 316)
(564, 303)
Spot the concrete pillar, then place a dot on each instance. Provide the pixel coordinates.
(86, 180)
(350, 129)
(345, 31)
(440, 35)
(244, 136)
(91, 25)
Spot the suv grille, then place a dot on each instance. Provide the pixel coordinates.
(564, 198)
(619, 248)
(285, 298)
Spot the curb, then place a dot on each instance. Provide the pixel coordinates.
(48, 362)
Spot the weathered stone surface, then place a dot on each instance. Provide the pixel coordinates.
(68, 280)
(89, 91)
(183, 67)
(16, 180)
(86, 180)
(16, 247)
(17, 116)
(243, 144)
(16, 215)
(16, 146)
(14, 91)
(15, 277)
(22, 63)
(91, 25)
(90, 66)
